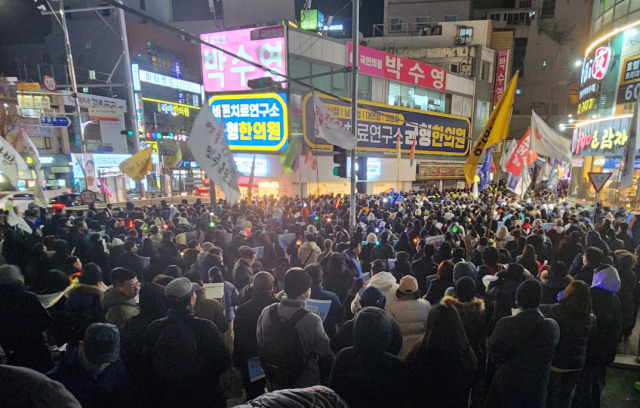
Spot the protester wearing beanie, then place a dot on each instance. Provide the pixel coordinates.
(94, 372)
(315, 343)
(366, 375)
(410, 311)
(522, 346)
(370, 296)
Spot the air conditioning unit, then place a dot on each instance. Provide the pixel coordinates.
(460, 40)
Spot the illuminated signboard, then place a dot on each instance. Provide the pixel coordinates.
(256, 122)
(629, 89)
(222, 72)
(169, 82)
(311, 19)
(374, 168)
(135, 74)
(607, 138)
(172, 108)
(109, 160)
(594, 70)
(139, 111)
(243, 164)
(437, 133)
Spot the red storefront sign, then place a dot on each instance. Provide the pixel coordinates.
(431, 171)
(384, 65)
(502, 68)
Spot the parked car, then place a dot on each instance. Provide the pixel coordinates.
(70, 200)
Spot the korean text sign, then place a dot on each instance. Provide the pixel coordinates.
(224, 73)
(378, 129)
(501, 75)
(384, 65)
(256, 122)
(607, 138)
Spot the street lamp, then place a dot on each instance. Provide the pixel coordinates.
(578, 63)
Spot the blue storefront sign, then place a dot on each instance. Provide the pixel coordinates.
(614, 163)
(379, 126)
(55, 121)
(253, 122)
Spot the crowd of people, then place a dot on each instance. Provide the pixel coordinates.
(434, 299)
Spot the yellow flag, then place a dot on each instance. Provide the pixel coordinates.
(138, 165)
(173, 161)
(497, 129)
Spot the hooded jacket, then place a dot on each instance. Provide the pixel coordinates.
(474, 321)
(117, 307)
(603, 344)
(308, 253)
(384, 281)
(367, 363)
(411, 315)
(592, 239)
(557, 234)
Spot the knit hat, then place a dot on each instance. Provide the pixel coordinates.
(408, 286)
(101, 343)
(296, 282)
(116, 242)
(372, 296)
(529, 294)
(465, 289)
(462, 269)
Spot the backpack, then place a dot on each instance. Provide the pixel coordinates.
(282, 355)
(175, 355)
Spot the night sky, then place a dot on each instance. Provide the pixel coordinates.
(370, 11)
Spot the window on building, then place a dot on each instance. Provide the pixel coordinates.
(87, 44)
(421, 22)
(494, 16)
(484, 110)
(465, 32)
(416, 97)
(524, 3)
(143, 4)
(548, 9)
(396, 24)
(544, 65)
(455, 68)
(432, 30)
(46, 58)
(519, 52)
(92, 74)
(451, 18)
(485, 71)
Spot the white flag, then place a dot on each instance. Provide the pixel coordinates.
(548, 142)
(629, 155)
(546, 170)
(505, 157)
(209, 147)
(331, 128)
(14, 219)
(475, 193)
(11, 163)
(39, 198)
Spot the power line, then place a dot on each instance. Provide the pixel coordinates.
(193, 38)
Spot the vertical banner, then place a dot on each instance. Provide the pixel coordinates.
(502, 68)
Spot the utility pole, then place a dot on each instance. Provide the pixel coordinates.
(355, 25)
(72, 75)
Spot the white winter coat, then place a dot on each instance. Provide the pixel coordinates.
(384, 281)
(411, 315)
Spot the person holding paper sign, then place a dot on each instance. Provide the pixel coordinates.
(319, 293)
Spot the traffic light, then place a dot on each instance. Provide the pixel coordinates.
(126, 132)
(262, 83)
(340, 158)
(361, 168)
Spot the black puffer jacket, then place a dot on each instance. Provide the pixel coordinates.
(502, 292)
(574, 335)
(312, 397)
